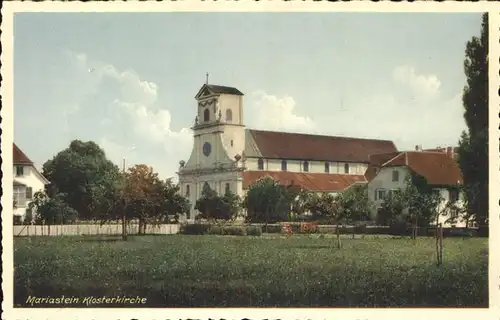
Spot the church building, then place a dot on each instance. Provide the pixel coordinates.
(227, 156)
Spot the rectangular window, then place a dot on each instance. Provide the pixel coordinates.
(20, 196)
(395, 175)
(19, 171)
(346, 168)
(306, 166)
(380, 194)
(327, 167)
(453, 194)
(260, 164)
(283, 165)
(29, 193)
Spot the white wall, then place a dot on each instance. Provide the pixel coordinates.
(236, 134)
(233, 102)
(31, 178)
(383, 180)
(445, 195)
(298, 166)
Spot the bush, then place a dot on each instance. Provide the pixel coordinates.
(235, 231)
(272, 228)
(195, 229)
(254, 230)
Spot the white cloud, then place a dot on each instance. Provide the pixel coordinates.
(278, 113)
(423, 87)
(118, 109)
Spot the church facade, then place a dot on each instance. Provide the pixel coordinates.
(226, 156)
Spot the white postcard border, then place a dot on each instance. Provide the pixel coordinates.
(10, 8)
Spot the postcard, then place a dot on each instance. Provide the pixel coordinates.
(250, 160)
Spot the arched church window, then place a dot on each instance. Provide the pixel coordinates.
(346, 168)
(327, 167)
(229, 115)
(283, 165)
(187, 190)
(206, 115)
(260, 164)
(227, 188)
(306, 166)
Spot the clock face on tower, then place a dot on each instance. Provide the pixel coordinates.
(207, 148)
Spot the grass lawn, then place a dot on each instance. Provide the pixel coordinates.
(267, 271)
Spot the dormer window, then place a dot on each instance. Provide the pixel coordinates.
(306, 166)
(283, 165)
(260, 164)
(327, 167)
(229, 115)
(206, 115)
(19, 171)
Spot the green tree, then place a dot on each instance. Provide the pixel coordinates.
(171, 202)
(266, 201)
(391, 209)
(473, 145)
(213, 207)
(327, 206)
(298, 199)
(355, 204)
(422, 201)
(53, 210)
(81, 172)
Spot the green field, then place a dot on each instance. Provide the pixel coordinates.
(267, 271)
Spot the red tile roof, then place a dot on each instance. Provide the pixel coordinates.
(19, 156)
(450, 151)
(436, 167)
(284, 145)
(321, 182)
(376, 161)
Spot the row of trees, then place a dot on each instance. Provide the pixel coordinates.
(266, 201)
(85, 185)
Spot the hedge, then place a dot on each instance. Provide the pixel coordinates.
(202, 229)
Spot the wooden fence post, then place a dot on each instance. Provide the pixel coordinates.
(437, 245)
(441, 243)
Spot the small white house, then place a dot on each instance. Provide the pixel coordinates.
(387, 172)
(27, 181)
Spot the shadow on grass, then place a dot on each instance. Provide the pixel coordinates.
(311, 247)
(99, 239)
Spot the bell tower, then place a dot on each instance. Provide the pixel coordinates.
(218, 144)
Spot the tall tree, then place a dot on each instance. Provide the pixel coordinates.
(80, 172)
(473, 146)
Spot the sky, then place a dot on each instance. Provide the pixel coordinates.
(127, 81)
